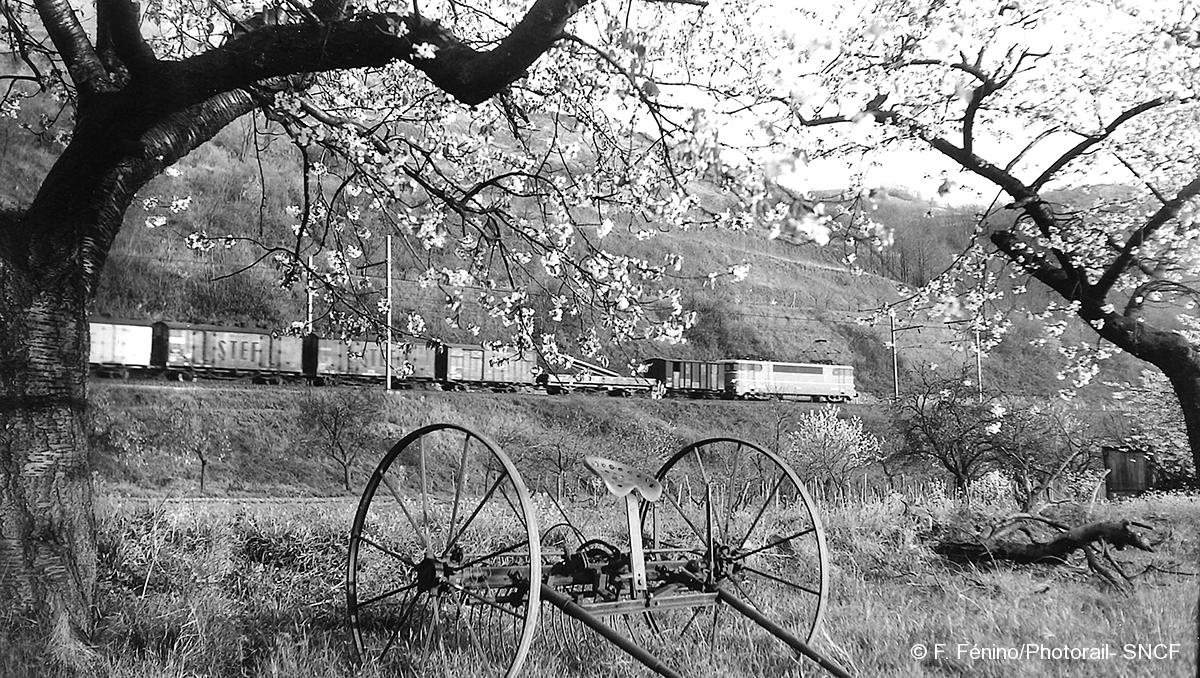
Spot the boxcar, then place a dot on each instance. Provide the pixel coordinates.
(766, 379)
(331, 360)
(421, 359)
(692, 377)
(484, 366)
(357, 360)
(187, 350)
(115, 348)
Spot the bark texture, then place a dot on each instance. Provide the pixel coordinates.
(47, 531)
(1119, 534)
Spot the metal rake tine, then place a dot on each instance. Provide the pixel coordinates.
(562, 628)
(688, 625)
(648, 617)
(633, 635)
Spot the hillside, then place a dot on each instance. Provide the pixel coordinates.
(799, 303)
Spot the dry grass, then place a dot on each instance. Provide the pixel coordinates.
(255, 589)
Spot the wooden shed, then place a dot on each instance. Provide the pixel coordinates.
(1130, 471)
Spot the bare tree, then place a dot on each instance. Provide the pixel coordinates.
(1037, 446)
(942, 421)
(187, 433)
(341, 425)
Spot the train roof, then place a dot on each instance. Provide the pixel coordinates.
(107, 320)
(205, 327)
(729, 361)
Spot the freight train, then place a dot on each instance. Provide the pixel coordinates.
(188, 351)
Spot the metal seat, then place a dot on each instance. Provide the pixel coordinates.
(621, 479)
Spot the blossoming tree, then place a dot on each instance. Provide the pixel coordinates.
(1019, 97)
(501, 170)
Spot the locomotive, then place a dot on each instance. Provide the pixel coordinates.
(185, 352)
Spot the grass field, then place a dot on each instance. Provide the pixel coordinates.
(254, 588)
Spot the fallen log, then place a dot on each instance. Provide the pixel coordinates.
(1055, 551)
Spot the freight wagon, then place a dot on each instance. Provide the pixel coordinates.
(461, 366)
(688, 377)
(185, 351)
(119, 348)
(182, 351)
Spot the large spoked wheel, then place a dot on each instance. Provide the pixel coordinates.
(742, 517)
(444, 563)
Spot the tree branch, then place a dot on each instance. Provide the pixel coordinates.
(1034, 262)
(1155, 222)
(1137, 298)
(1092, 139)
(1119, 534)
(117, 30)
(73, 45)
(373, 40)
(1025, 197)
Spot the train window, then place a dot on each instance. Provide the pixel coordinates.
(798, 369)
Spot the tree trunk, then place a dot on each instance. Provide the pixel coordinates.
(47, 528)
(346, 476)
(960, 484)
(1185, 380)
(1119, 534)
(1173, 354)
(50, 260)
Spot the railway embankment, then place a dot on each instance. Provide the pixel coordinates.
(257, 444)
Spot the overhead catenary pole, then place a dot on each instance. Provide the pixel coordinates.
(893, 331)
(895, 360)
(979, 364)
(387, 383)
(308, 294)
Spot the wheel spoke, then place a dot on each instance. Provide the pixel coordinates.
(700, 462)
(459, 482)
(781, 581)
(467, 522)
(490, 603)
(773, 544)
(424, 496)
(400, 501)
(376, 599)
(732, 493)
(398, 556)
(745, 594)
(683, 515)
(520, 515)
(433, 625)
(396, 631)
(762, 510)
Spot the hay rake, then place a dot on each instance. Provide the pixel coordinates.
(448, 570)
